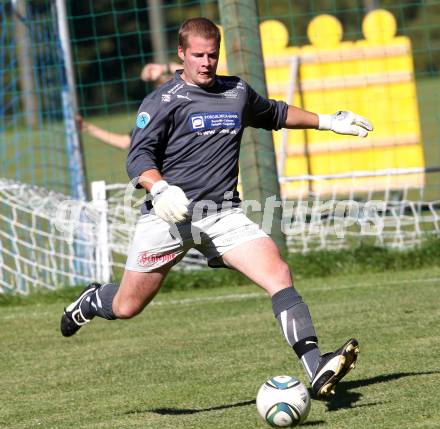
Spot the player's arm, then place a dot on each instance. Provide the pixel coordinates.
(145, 157)
(148, 178)
(274, 115)
(301, 119)
(342, 122)
(121, 141)
(169, 202)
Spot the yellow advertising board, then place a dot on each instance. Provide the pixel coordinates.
(373, 76)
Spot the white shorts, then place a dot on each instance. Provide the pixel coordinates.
(157, 243)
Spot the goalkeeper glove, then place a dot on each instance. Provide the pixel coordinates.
(345, 122)
(169, 202)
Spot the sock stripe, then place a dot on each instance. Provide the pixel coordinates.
(98, 298)
(295, 332)
(306, 367)
(100, 302)
(284, 326)
(296, 324)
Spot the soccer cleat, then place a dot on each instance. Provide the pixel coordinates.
(72, 318)
(333, 367)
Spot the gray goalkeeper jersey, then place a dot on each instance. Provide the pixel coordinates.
(192, 135)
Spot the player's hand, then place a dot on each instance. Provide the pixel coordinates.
(169, 202)
(153, 71)
(83, 125)
(80, 122)
(345, 122)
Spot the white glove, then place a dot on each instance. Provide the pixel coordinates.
(345, 122)
(169, 202)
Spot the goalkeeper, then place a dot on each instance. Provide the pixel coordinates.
(184, 151)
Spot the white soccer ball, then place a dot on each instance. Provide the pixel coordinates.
(283, 401)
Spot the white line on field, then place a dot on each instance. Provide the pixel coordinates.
(375, 284)
(232, 297)
(238, 296)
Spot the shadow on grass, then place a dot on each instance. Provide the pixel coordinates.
(180, 411)
(183, 411)
(346, 398)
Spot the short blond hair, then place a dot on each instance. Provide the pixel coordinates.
(202, 27)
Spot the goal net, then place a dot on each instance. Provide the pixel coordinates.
(39, 139)
(388, 218)
(35, 252)
(336, 219)
(48, 240)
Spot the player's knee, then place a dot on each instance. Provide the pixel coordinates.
(125, 310)
(283, 273)
(279, 278)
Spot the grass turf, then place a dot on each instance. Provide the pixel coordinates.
(195, 359)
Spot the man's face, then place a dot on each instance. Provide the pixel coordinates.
(200, 60)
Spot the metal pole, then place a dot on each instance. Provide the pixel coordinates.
(293, 83)
(259, 177)
(158, 35)
(25, 63)
(70, 109)
(370, 5)
(307, 155)
(103, 272)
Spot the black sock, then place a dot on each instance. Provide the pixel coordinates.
(296, 323)
(100, 302)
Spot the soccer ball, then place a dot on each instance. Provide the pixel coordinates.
(283, 401)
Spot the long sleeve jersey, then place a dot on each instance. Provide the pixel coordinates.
(192, 135)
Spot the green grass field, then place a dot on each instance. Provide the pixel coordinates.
(195, 359)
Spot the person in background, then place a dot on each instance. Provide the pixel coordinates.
(121, 141)
(151, 72)
(159, 73)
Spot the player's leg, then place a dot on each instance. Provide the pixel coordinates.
(111, 301)
(125, 301)
(239, 243)
(243, 246)
(136, 291)
(260, 261)
(152, 253)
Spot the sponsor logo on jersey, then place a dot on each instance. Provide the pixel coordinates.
(214, 121)
(240, 85)
(166, 98)
(197, 122)
(230, 93)
(143, 119)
